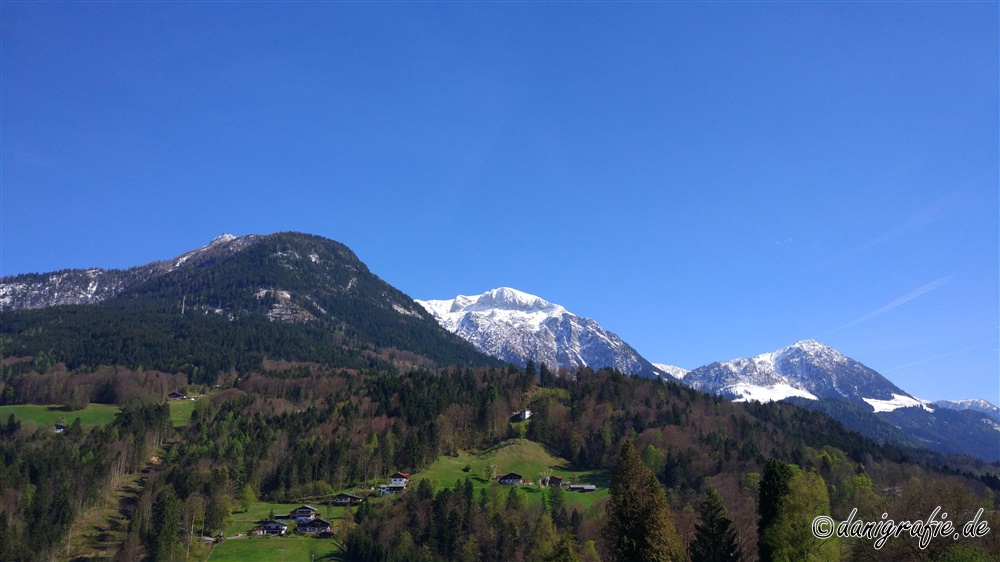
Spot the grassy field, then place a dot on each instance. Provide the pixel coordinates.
(180, 411)
(91, 416)
(524, 457)
(276, 549)
(45, 415)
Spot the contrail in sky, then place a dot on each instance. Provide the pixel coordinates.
(900, 301)
(938, 357)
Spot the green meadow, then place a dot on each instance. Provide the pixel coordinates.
(524, 457)
(46, 415)
(180, 411)
(241, 521)
(91, 416)
(276, 549)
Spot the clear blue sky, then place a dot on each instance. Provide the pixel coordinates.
(708, 180)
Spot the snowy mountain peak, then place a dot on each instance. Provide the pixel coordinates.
(505, 298)
(811, 346)
(222, 238)
(806, 368)
(974, 404)
(516, 327)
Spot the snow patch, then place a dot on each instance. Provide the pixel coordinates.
(222, 239)
(672, 370)
(772, 393)
(898, 401)
(405, 311)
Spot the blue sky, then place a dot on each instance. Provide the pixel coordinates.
(708, 180)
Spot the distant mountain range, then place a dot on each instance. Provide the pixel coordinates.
(517, 327)
(807, 369)
(239, 301)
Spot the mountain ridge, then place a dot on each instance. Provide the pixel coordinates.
(287, 296)
(807, 368)
(66, 286)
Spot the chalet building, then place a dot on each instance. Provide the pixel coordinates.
(397, 484)
(524, 414)
(315, 526)
(584, 488)
(390, 490)
(269, 528)
(304, 513)
(555, 481)
(347, 499)
(511, 479)
(176, 396)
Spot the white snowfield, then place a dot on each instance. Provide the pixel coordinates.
(672, 370)
(780, 391)
(503, 304)
(898, 401)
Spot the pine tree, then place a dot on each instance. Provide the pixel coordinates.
(557, 507)
(639, 525)
(165, 528)
(714, 537)
(773, 491)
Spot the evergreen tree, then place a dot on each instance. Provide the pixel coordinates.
(773, 490)
(714, 537)
(514, 500)
(557, 507)
(166, 524)
(639, 525)
(565, 551)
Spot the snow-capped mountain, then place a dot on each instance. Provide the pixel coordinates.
(975, 404)
(807, 369)
(672, 370)
(89, 286)
(517, 327)
(816, 376)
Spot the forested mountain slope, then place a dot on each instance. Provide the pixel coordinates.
(285, 296)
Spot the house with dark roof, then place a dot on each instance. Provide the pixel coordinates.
(510, 479)
(315, 526)
(390, 490)
(347, 499)
(304, 513)
(269, 528)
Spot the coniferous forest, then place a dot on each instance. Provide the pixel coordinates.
(756, 473)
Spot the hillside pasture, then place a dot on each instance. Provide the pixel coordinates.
(527, 458)
(46, 415)
(276, 549)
